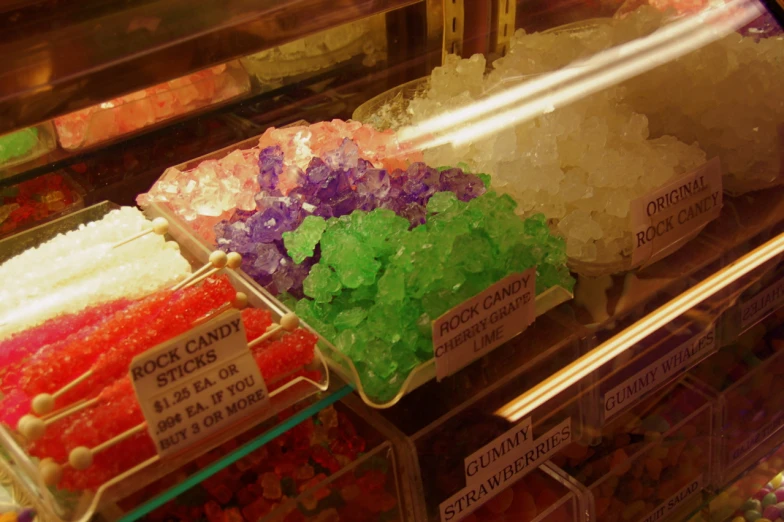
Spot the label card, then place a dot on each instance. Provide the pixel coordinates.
(665, 218)
(680, 357)
(516, 464)
(756, 438)
(675, 501)
(197, 384)
(498, 453)
(475, 327)
(758, 307)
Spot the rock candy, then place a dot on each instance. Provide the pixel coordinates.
(726, 107)
(580, 165)
(379, 284)
(212, 191)
(80, 268)
(17, 144)
(140, 109)
(333, 185)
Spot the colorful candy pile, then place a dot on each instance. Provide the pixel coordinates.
(379, 283)
(299, 462)
(213, 190)
(140, 109)
(104, 340)
(17, 144)
(375, 249)
(333, 187)
(81, 268)
(645, 456)
(33, 201)
(530, 497)
(766, 501)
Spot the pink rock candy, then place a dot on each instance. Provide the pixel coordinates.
(210, 192)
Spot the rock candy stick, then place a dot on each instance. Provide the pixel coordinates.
(54, 370)
(116, 411)
(187, 306)
(24, 344)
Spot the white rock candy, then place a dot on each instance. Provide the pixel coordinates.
(580, 165)
(725, 96)
(79, 268)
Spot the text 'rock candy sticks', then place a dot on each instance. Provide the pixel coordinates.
(81, 268)
(214, 189)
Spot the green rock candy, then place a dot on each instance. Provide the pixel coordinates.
(379, 285)
(17, 143)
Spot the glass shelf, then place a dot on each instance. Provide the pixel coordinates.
(60, 58)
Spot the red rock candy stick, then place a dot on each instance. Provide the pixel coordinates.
(17, 348)
(105, 445)
(187, 306)
(55, 370)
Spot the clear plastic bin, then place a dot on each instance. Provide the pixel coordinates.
(142, 109)
(733, 497)
(364, 40)
(662, 357)
(749, 416)
(450, 423)
(39, 200)
(77, 505)
(334, 464)
(546, 494)
(652, 463)
(26, 145)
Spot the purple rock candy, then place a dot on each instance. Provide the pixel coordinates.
(332, 186)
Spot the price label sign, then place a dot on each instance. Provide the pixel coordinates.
(480, 324)
(663, 220)
(197, 384)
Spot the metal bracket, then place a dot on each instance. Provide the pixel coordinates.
(454, 27)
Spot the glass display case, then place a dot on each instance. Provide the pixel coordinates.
(392, 260)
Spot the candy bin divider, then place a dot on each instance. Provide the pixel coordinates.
(766, 276)
(233, 70)
(337, 361)
(149, 470)
(583, 501)
(409, 480)
(727, 471)
(708, 406)
(47, 142)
